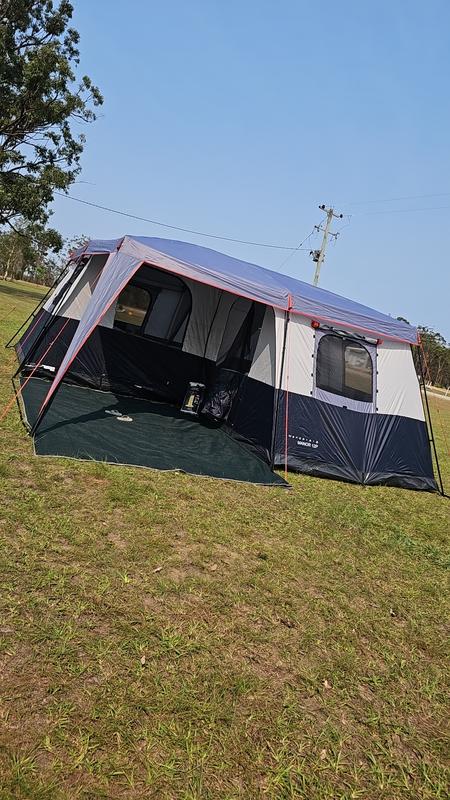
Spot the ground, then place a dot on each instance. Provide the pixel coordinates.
(165, 636)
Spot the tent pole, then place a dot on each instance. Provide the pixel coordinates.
(45, 329)
(280, 382)
(429, 425)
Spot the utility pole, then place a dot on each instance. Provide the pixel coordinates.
(319, 255)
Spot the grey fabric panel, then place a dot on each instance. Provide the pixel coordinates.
(70, 269)
(264, 361)
(204, 304)
(75, 304)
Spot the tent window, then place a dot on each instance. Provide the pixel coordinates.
(169, 316)
(156, 306)
(344, 367)
(132, 307)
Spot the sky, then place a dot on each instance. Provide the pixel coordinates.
(239, 118)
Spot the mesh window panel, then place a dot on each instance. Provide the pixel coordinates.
(132, 306)
(344, 367)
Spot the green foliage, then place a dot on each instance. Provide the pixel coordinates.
(25, 253)
(40, 100)
(437, 357)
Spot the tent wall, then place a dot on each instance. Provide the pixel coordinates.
(342, 439)
(327, 440)
(398, 386)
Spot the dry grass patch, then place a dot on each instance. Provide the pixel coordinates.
(165, 636)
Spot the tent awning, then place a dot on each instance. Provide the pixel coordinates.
(257, 283)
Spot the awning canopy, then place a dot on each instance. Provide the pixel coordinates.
(257, 283)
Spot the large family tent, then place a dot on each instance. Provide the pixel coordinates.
(287, 374)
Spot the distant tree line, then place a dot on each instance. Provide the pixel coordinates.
(436, 355)
(34, 253)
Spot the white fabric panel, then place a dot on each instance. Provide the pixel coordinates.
(398, 387)
(279, 339)
(209, 314)
(264, 361)
(297, 373)
(79, 296)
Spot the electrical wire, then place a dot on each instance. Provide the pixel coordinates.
(176, 227)
(296, 249)
(399, 211)
(395, 199)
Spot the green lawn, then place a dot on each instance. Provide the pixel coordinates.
(165, 636)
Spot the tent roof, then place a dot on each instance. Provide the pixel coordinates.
(258, 283)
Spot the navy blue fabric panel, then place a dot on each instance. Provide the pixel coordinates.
(112, 358)
(129, 359)
(34, 330)
(322, 438)
(327, 440)
(397, 446)
(252, 415)
(54, 342)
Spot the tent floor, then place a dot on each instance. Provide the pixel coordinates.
(159, 435)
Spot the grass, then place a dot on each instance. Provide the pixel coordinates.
(165, 636)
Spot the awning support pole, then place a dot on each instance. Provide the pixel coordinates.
(37, 309)
(429, 424)
(280, 382)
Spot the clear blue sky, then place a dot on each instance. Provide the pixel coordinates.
(239, 118)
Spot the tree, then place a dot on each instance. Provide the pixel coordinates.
(57, 264)
(25, 253)
(40, 100)
(436, 357)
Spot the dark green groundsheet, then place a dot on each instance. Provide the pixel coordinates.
(159, 436)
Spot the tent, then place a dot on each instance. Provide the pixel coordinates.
(291, 374)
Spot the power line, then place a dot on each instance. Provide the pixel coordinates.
(299, 247)
(396, 199)
(176, 227)
(400, 211)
